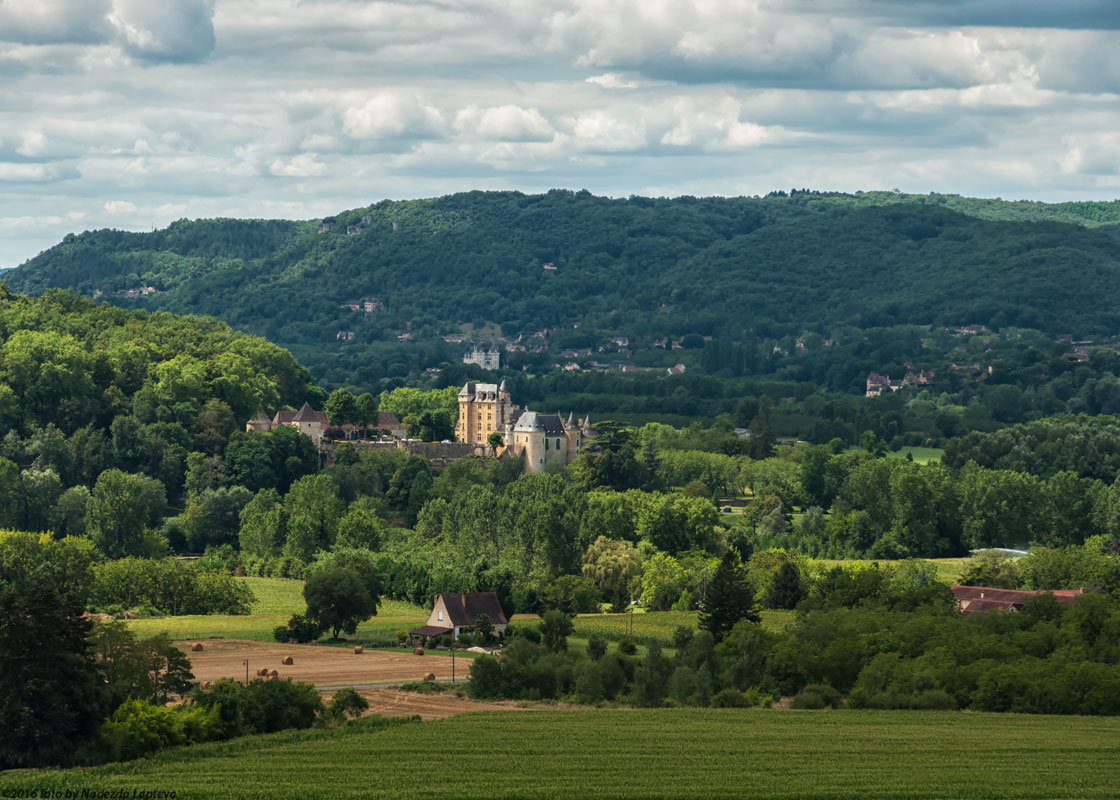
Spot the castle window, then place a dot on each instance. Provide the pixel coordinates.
(557, 444)
(546, 444)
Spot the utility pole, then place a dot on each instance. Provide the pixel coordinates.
(246, 672)
(453, 663)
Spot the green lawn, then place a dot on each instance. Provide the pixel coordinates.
(922, 455)
(276, 600)
(949, 570)
(624, 753)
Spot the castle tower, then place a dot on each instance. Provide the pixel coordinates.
(484, 408)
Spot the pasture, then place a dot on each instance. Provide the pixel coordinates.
(615, 753)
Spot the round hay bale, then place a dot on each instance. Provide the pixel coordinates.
(274, 674)
(197, 648)
(431, 676)
(358, 650)
(419, 651)
(206, 684)
(262, 672)
(287, 661)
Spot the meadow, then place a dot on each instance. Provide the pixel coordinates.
(614, 753)
(278, 598)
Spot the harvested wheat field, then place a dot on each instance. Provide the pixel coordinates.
(321, 666)
(395, 703)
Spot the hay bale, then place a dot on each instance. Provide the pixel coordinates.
(431, 676)
(419, 651)
(358, 650)
(206, 684)
(274, 675)
(197, 648)
(287, 661)
(314, 644)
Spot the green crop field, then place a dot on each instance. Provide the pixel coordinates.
(733, 753)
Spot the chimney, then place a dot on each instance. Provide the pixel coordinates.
(464, 598)
(981, 595)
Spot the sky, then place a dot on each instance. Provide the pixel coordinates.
(133, 113)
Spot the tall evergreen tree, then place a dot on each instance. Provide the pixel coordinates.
(730, 598)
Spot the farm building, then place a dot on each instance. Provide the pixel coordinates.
(453, 612)
(981, 599)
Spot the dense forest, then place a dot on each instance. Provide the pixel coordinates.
(749, 287)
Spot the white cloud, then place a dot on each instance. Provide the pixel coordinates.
(120, 207)
(509, 123)
(393, 115)
(303, 165)
(54, 21)
(167, 30)
(34, 144)
(196, 108)
(612, 80)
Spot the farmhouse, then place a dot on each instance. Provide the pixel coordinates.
(314, 424)
(453, 612)
(982, 599)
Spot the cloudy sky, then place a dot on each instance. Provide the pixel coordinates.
(133, 113)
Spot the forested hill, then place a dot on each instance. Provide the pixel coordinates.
(732, 267)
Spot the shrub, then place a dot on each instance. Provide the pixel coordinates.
(628, 647)
(817, 695)
(682, 636)
(730, 698)
(348, 703)
(300, 628)
(596, 647)
(278, 705)
(137, 728)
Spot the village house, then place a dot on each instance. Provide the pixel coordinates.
(982, 599)
(314, 424)
(453, 612)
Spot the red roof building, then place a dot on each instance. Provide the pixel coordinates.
(981, 599)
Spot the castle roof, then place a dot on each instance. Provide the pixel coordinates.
(532, 422)
(307, 414)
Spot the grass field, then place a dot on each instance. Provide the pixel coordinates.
(277, 599)
(922, 455)
(732, 753)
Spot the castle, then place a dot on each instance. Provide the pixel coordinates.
(487, 359)
(543, 439)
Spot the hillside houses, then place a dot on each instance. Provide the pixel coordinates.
(877, 383)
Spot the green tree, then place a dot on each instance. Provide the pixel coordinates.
(786, 589)
(730, 598)
(263, 524)
(613, 565)
(120, 509)
(556, 627)
(313, 508)
(341, 408)
(51, 695)
(338, 600)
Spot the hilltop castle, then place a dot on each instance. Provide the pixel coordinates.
(543, 439)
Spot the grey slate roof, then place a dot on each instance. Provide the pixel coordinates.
(464, 608)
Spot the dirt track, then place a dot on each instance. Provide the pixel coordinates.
(321, 666)
(395, 703)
